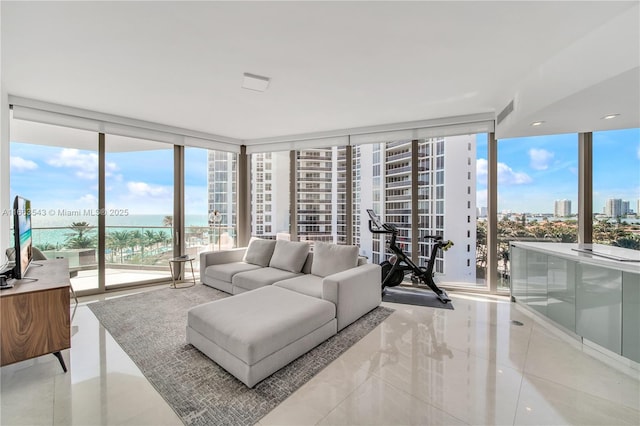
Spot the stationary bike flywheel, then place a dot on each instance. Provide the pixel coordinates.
(395, 279)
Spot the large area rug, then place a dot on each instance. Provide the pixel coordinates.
(150, 327)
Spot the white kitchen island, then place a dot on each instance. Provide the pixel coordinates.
(592, 291)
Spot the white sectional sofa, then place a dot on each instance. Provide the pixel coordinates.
(287, 301)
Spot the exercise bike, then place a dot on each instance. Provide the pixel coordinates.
(394, 269)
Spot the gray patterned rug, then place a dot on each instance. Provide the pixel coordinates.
(150, 328)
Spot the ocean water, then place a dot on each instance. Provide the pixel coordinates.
(54, 229)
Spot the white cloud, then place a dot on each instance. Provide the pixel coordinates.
(85, 164)
(481, 170)
(481, 198)
(143, 189)
(506, 175)
(19, 164)
(539, 159)
(89, 201)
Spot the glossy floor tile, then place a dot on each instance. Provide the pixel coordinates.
(487, 361)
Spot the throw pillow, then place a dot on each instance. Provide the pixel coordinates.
(259, 252)
(289, 255)
(330, 259)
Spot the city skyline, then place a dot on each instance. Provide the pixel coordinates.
(532, 174)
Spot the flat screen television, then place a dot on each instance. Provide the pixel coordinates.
(22, 236)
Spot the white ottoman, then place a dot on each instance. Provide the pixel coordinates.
(254, 334)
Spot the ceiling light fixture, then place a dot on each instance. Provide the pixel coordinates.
(610, 116)
(537, 123)
(255, 82)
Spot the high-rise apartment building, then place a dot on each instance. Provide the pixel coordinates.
(269, 194)
(321, 194)
(221, 186)
(613, 207)
(446, 199)
(383, 175)
(562, 208)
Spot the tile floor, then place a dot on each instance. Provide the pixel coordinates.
(470, 365)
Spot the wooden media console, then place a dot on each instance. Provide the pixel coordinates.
(35, 314)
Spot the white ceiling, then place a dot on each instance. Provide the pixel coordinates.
(333, 65)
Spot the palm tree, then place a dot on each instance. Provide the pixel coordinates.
(136, 239)
(80, 237)
(81, 228)
(167, 221)
(150, 237)
(119, 240)
(163, 237)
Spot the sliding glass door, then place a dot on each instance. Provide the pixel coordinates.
(138, 210)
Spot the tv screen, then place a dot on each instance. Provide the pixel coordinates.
(22, 236)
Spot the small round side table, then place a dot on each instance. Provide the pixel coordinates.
(180, 263)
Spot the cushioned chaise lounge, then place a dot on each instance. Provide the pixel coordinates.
(287, 302)
(256, 333)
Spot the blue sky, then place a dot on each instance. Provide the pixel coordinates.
(141, 182)
(533, 173)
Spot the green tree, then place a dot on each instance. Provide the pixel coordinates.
(164, 238)
(150, 237)
(46, 246)
(136, 239)
(81, 236)
(629, 242)
(119, 240)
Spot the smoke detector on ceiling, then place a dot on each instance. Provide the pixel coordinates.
(255, 82)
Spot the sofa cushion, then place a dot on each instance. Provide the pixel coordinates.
(310, 285)
(252, 326)
(329, 258)
(259, 251)
(260, 277)
(226, 271)
(289, 255)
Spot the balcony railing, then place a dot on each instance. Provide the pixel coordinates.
(147, 247)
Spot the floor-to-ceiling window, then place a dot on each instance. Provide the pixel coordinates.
(209, 201)
(138, 210)
(270, 208)
(616, 188)
(56, 168)
(537, 193)
(100, 196)
(447, 206)
(367, 175)
(321, 194)
(481, 179)
(433, 177)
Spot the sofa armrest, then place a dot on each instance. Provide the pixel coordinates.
(355, 292)
(217, 257)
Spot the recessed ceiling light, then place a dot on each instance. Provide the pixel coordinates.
(255, 82)
(610, 116)
(537, 123)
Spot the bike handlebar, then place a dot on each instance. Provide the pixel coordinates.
(386, 228)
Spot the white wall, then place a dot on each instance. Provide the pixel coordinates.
(5, 203)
